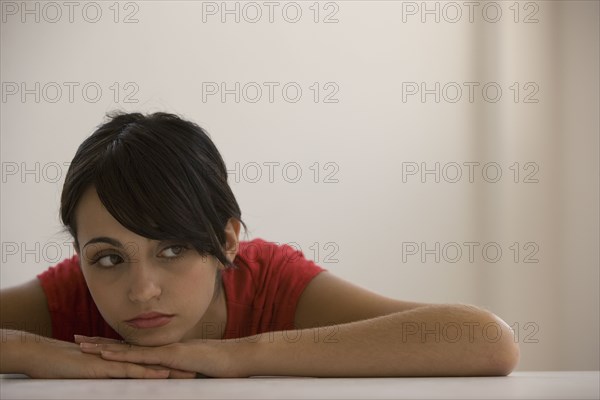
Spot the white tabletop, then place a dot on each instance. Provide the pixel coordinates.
(518, 385)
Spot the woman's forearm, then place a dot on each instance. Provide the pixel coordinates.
(437, 340)
(13, 354)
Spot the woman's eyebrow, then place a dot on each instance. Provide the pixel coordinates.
(105, 239)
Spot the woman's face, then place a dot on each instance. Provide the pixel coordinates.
(129, 275)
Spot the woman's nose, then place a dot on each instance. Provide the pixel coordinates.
(144, 283)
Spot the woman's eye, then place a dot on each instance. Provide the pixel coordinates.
(109, 260)
(174, 251)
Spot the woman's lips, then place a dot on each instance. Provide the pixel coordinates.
(150, 321)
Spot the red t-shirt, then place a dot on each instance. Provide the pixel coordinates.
(261, 294)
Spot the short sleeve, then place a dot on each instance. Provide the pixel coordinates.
(71, 306)
(285, 274)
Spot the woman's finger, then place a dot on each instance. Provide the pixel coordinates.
(141, 355)
(129, 370)
(179, 374)
(95, 339)
(173, 372)
(153, 357)
(132, 370)
(96, 348)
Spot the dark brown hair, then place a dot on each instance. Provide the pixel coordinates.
(160, 176)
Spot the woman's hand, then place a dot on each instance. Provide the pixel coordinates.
(211, 358)
(50, 358)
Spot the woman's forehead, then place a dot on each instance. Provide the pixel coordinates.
(93, 219)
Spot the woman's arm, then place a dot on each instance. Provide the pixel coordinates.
(349, 331)
(437, 340)
(24, 320)
(42, 357)
(24, 308)
(426, 330)
(12, 344)
(26, 346)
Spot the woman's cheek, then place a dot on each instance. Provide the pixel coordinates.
(111, 303)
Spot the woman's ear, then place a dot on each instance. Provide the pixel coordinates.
(232, 233)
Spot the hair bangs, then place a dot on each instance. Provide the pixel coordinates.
(160, 176)
(145, 196)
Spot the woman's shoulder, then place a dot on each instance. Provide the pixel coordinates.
(64, 286)
(63, 277)
(262, 259)
(68, 267)
(260, 252)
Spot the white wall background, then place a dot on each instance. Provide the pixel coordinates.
(359, 225)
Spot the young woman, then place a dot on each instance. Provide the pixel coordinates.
(161, 285)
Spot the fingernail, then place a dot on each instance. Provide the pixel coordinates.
(88, 345)
(166, 373)
(79, 337)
